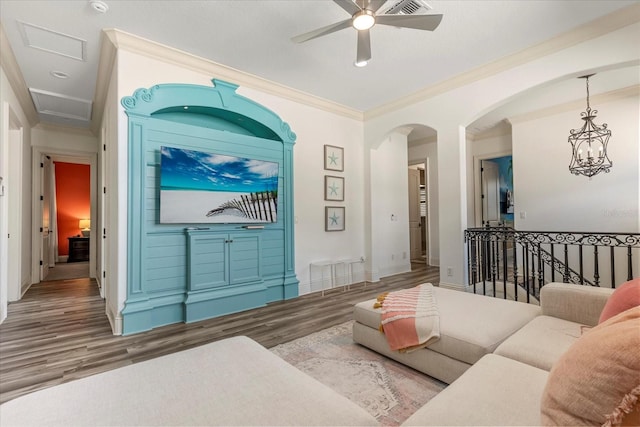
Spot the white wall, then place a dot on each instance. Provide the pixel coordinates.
(14, 126)
(554, 199)
(314, 128)
(449, 111)
(428, 153)
(63, 140)
(390, 207)
(114, 229)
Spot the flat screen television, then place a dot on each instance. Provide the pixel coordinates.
(198, 187)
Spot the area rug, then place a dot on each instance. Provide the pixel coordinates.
(388, 390)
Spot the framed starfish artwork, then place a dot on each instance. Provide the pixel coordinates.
(334, 188)
(333, 158)
(334, 218)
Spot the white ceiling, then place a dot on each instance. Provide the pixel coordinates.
(254, 36)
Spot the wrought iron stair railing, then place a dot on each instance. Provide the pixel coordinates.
(502, 259)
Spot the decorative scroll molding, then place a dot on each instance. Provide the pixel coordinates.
(222, 96)
(145, 95)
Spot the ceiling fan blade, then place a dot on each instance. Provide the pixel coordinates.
(364, 46)
(322, 31)
(418, 22)
(348, 5)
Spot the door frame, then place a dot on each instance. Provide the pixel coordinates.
(46, 175)
(13, 147)
(477, 181)
(60, 155)
(414, 197)
(426, 232)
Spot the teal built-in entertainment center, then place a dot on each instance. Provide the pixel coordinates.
(189, 272)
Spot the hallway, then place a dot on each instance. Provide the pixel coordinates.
(66, 271)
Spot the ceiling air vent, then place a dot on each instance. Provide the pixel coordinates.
(407, 7)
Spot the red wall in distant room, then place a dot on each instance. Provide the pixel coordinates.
(73, 200)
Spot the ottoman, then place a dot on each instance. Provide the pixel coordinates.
(470, 327)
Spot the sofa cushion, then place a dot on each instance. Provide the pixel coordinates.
(541, 342)
(575, 303)
(626, 296)
(496, 391)
(470, 325)
(597, 381)
(234, 381)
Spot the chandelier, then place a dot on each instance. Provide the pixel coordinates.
(589, 144)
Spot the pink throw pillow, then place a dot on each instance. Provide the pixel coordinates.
(626, 296)
(596, 382)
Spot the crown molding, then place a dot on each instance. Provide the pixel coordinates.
(154, 50)
(602, 98)
(596, 28)
(16, 80)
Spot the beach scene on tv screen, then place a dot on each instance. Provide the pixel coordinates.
(200, 187)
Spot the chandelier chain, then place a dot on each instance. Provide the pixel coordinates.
(588, 105)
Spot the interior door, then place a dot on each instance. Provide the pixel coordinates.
(490, 193)
(45, 247)
(415, 228)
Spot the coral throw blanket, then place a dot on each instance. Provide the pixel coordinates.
(410, 318)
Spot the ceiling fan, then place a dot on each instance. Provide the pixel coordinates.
(363, 17)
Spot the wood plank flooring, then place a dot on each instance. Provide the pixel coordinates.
(58, 332)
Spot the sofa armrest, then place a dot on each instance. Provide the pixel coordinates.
(576, 303)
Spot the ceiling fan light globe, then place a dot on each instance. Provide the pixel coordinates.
(363, 20)
(361, 64)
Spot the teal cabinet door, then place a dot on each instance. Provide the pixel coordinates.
(244, 258)
(208, 261)
(222, 259)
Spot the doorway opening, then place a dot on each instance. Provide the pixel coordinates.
(67, 217)
(497, 191)
(418, 214)
(65, 248)
(494, 191)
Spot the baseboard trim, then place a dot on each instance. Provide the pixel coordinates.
(25, 287)
(395, 269)
(114, 321)
(455, 286)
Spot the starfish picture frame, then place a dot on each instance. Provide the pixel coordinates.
(333, 158)
(334, 188)
(334, 218)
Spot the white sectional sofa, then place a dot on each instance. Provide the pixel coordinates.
(497, 354)
(231, 382)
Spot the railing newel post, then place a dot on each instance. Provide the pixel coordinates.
(629, 264)
(565, 276)
(596, 275)
(613, 268)
(581, 265)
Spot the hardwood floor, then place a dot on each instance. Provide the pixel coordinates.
(58, 332)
